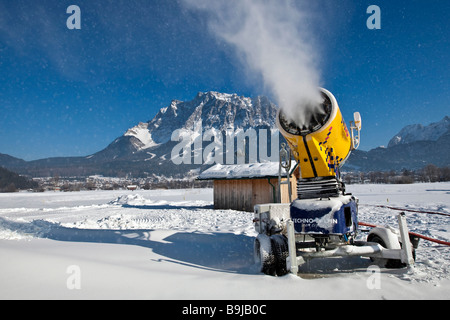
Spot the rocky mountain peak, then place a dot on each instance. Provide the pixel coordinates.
(418, 132)
(214, 109)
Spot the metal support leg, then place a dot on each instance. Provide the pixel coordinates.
(291, 261)
(407, 256)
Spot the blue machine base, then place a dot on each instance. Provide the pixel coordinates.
(334, 215)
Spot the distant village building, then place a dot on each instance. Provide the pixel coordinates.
(241, 187)
(132, 187)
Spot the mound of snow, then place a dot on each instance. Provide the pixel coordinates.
(133, 200)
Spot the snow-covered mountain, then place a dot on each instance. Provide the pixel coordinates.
(142, 136)
(414, 147)
(152, 141)
(146, 148)
(215, 110)
(418, 132)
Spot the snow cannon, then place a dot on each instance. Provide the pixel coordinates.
(321, 147)
(323, 221)
(323, 144)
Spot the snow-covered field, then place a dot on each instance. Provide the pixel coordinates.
(171, 244)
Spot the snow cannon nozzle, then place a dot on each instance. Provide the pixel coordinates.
(323, 143)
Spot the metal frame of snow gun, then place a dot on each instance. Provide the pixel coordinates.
(280, 249)
(359, 248)
(323, 220)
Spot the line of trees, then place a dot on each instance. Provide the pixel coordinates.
(12, 182)
(430, 173)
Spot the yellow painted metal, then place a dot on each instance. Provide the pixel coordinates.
(320, 152)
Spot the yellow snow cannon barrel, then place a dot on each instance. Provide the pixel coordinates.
(324, 143)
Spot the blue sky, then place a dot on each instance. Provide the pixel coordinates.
(72, 92)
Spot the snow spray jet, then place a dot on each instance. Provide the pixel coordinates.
(273, 40)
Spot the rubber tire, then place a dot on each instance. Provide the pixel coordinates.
(281, 252)
(387, 263)
(264, 255)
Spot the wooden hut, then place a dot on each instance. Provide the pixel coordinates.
(241, 187)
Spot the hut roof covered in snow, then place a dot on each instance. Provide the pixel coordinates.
(243, 171)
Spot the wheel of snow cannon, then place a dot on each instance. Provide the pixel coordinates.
(264, 254)
(387, 263)
(281, 252)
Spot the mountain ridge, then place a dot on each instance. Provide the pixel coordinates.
(418, 132)
(146, 148)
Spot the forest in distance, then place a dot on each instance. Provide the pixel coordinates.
(13, 182)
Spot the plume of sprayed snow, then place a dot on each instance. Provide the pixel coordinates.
(273, 38)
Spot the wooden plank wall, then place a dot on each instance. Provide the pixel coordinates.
(233, 194)
(285, 191)
(244, 194)
(263, 191)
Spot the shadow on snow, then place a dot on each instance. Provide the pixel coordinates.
(225, 252)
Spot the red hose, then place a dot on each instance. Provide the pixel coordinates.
(367, 224)
(411, 233)
(410, 210)
(430, 239)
